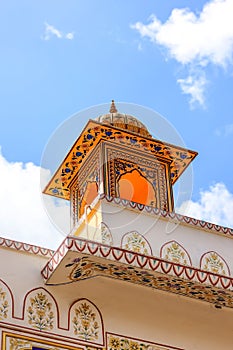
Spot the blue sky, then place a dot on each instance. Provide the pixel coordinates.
(60, 57)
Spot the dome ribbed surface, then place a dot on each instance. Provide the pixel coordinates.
(124, 121)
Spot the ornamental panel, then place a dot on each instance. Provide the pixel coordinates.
(214, 263)
(40, 310)
(119, 342)
(136, 242)
(137, 177)
(5, 302)
(106, 234)
(174, 252)
(86, 322)
(12, 341)
(85, 186)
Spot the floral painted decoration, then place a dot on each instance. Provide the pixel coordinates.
(40, 314)
(19, 344)
(106, 234)
(174, 252)
(116, 342)
(214, 263)
(4, 305)
(85, 322)
(136, 242)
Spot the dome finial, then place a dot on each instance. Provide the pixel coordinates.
(113, 107)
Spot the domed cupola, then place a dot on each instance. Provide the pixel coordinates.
(123, 121)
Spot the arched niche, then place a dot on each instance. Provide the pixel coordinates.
(213, 262)
(6, 302)
(174, 252)
(135, 242)
(40, 310)
(85, 322)
(135, 187)
(106, 234)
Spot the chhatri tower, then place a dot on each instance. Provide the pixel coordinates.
(132, 274)
(116, 160)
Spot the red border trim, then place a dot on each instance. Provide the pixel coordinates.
(150, 263)
(171, 215)
(29, 248)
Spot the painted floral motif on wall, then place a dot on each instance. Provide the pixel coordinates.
(174, 252)
(39, 312)
(136, 242)
(116, 342)
(192, 287)
(106, 234)
(4, 305)
(86, 321)
(19, 342)
(214, 263)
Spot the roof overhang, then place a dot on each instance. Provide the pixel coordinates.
(79, 259)
(93, 133)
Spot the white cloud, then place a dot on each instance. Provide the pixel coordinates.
(69, 36)
(22, 215)
(215, 205)
(50, 31)
(195, 39)
(224, 131)
(205, 38)
(195, 87)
